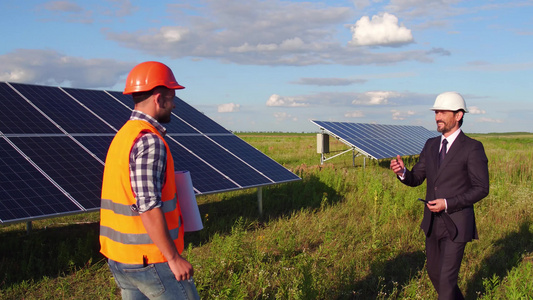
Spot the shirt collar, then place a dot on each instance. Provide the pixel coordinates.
(451, 138)
(138, 115)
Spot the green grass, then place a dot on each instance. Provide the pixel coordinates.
(342, 232)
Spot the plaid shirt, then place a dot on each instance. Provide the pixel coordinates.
(148, 163)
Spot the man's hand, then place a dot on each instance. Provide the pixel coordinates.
(436, 205)
(181, 268)
(397, 166)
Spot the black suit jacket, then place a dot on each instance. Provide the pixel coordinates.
(462, 179)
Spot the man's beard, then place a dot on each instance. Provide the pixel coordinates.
(444, 129)
(164, 119)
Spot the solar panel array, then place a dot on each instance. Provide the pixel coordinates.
(53, 144)
(379, 141)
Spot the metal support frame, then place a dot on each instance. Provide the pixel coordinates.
(323, 157)
(260, 200)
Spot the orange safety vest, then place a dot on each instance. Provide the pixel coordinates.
(123, 237)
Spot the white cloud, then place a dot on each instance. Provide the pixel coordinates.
(475, 110)
(432, 10)
(277, 100)
(67, 11)
(63, 6)
(53, 68)
(173, 34)
(360, 4)
(283, 116)
(293, 44)
(121, 8)
(265, 33)
(329, 81)
(488, 120)
(354, 114)
(228, 107)
(375, 98)
(382, 30)
(483, 66)
(401, 115)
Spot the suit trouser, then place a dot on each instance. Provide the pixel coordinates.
(444, 258)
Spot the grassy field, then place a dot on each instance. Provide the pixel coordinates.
(342, 232)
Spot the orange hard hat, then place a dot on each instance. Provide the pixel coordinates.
(147, 75)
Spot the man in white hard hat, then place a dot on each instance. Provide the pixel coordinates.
(456, 169)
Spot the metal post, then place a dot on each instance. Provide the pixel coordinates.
(28, 227)
(260, 200)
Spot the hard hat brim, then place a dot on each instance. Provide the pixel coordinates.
(445, 108)
(144, 88)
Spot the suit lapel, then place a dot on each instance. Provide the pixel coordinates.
(434, 150)
(452, 151)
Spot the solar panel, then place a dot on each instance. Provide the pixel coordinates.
(237, 171)
(197, 119)
(205, 178)
(96, 145)
(178, 125)
(15, 111)
(74, 169)
(254, 157)
(102, 105)
(378, 141)
(53, 144)
(25, 192)
(62, 109)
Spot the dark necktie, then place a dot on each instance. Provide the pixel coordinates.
(442, 153)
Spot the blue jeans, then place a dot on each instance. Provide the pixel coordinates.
(155, 281)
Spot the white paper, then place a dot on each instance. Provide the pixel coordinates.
(187, 200)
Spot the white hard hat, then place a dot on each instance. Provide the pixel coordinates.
(450, 101)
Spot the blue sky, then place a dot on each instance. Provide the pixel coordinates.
(274, 65)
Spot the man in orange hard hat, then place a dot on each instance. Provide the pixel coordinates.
(141, 228)
(456, 169)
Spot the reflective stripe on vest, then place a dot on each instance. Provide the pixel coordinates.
(127, 210)
(130, 238)
(133, 239)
